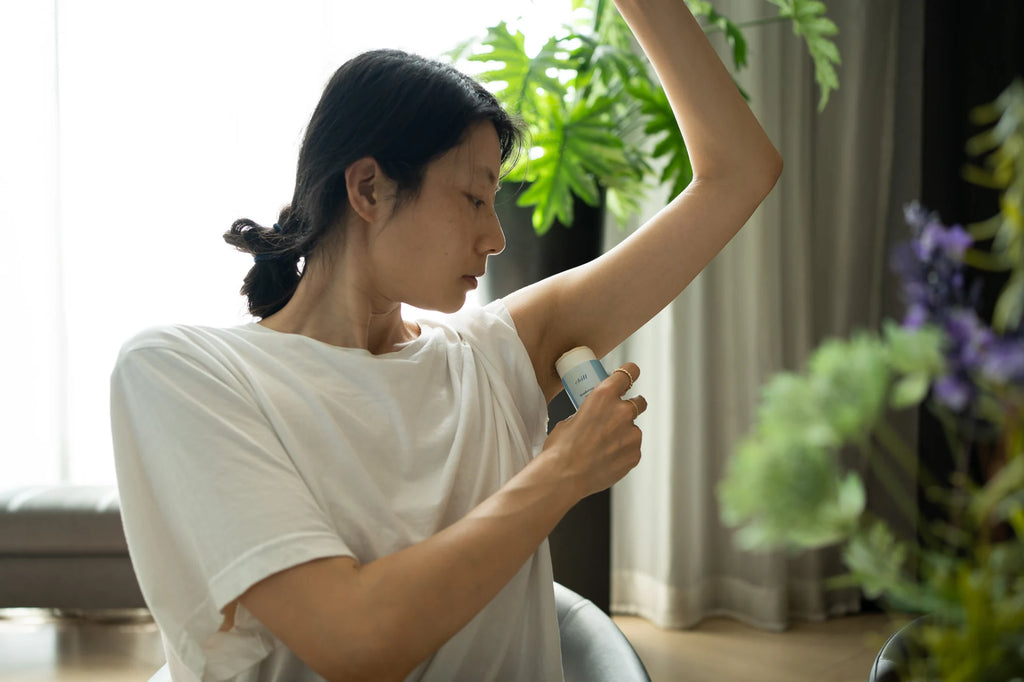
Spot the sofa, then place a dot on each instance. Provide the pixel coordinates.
(63, 547)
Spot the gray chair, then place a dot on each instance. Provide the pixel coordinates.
(593, 647)
(890, 659)
(893, 660)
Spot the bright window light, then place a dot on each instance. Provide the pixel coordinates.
(141, 131)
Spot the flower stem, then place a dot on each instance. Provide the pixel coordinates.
(887, 476)
(902, 452)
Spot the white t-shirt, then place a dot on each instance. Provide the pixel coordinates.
(244, 451)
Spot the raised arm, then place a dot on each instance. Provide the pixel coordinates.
(735, 166)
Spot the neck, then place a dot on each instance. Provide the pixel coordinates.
(341, 311)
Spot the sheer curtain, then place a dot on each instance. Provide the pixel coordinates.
(809, 264)
(131, 135)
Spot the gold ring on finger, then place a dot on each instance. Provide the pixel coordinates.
(636, 409)
(628, 376)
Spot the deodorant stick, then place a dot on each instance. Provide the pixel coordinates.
(581, 372)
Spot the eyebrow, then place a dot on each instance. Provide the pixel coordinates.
(490, 175)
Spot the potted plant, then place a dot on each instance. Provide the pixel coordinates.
(785, 486)
(592, 107)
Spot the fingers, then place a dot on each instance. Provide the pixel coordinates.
(625, 376)
(601, 442)
(620, 381)
(639, 404)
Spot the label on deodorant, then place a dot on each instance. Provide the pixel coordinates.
(582, 379)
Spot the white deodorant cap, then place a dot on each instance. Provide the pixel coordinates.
(572, 358)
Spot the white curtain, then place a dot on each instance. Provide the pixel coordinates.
(812, 262)
(131, 135)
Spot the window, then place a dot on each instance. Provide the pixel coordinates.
(131, 136)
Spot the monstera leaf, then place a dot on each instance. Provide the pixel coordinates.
(567, 159)
(595, 115)
(660, 120)
(524, 76)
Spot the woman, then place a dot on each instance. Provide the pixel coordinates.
(337, 492)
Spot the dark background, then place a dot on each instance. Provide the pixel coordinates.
(972, 52)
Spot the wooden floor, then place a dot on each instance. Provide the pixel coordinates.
(720, 649)
(37, 647)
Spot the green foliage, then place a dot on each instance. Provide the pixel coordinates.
(525, 76)
(703, 9)
(592, 105)
(577, 149)
(851, 381)
(677, 172)
(876, 560)
(800, 499)
(809, 21)
(1003, 169)
(968, 572)
(784, 485)
(916, 355)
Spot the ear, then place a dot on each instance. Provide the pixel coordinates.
(367, 188)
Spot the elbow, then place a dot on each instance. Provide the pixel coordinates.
(770, 168)
(366, 656)
(751, 176)
(374, 648)
(777, 165)
(764, 173)
(363, 668)
(349, 676)
(362, 647)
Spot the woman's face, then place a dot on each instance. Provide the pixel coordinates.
(432, 249)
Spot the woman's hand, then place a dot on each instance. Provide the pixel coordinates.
(600, 444)
(351, 621)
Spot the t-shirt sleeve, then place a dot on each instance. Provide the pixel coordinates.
(492, 332)
(211, 501)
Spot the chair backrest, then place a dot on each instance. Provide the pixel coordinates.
(893, 660)
(593, 647)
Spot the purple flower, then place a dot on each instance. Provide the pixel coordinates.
(936, 291)
(917, 216)
(937, 239)
(916, 317)
(969, 336)
(905, 263)
(955, 241)
(930, 267)
(953, 391)
(1004, 361)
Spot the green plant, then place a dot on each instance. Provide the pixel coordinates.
(590, 103)
(785, 486)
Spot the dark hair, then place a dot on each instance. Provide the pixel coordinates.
(401, 109)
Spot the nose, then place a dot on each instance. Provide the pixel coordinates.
(492, 242)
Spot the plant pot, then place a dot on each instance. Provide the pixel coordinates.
(581, 543)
